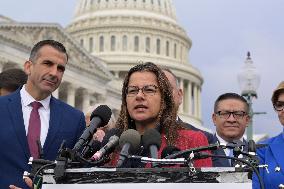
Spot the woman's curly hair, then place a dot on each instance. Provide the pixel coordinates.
(167, 115)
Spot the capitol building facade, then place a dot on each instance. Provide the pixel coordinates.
(104, 40)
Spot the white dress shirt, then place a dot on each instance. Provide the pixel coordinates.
(44, 112)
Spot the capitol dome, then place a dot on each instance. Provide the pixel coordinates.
(124, 33)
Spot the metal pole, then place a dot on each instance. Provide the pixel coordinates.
(250, 126)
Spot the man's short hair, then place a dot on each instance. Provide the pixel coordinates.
(170, 71)
(55, 44)
(12, 79)
(235, 96)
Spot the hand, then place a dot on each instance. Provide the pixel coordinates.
(27, 180)
(99, 135)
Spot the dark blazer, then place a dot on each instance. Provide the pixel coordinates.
(65, 123)
(222, 162)
(209, 136)
(271, 155)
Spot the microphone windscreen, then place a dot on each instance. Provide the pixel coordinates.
(169, 150)
(132, 137)
(103, 112)
(151, 137)
(251, 146)
(110, 133)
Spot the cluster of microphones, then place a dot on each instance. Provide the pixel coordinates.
(95, 153)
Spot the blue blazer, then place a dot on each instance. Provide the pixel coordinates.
(66, 123)
(273, 156)
(219, 162)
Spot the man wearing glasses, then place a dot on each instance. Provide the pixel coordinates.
(231, 119)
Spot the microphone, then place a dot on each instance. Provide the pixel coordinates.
(169, 150)
(151, 140)
(110, 141)
(99, 117)
(129, 142)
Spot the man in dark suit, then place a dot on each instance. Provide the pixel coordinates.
(178, 95)
(51, 122)
(231, 119)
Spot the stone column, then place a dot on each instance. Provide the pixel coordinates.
(116, 74)
(189, 88)
(1, 66)
(199, 103)
(181, 109)
(86, 100)
(71, 95)
(195, 97)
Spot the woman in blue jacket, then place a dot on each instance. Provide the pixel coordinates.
(273, 154)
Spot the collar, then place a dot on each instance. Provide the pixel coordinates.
(27, 99)
(221, 140)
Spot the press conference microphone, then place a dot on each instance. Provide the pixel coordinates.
(151, 140)
(110, 141)
(99, 117)
(129, 142)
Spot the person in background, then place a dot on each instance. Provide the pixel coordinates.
(272, 155)
(31, 115)
(178, 97)
(147, 103)
(100, 133)
(230, 118)
(11, 80)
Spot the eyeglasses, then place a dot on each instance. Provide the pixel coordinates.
(226, 114)
(279, 106)
(150, 90)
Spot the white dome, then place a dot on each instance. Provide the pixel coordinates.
(124, 33)
(161, 9)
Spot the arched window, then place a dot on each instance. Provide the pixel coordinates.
(136, 43)
(147, 45)
(124, 43)
(158, 46)
(91, 44)
(102, 44)
(112, 43)
(167, 48)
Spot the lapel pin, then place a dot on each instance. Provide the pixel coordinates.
(277, 169)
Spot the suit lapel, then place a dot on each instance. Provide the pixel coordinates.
(54, 123)
(277, 151)
(15, 110)
(222, 162)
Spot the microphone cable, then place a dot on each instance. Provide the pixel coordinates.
(202, 155)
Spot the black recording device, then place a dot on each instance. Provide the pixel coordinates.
(129, 142)
(99, 117)
(151, 140)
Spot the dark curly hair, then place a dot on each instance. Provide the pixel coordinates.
(167, 115)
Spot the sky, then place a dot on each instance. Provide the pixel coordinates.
(222, 32)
